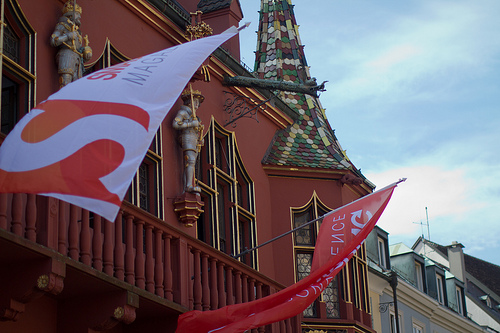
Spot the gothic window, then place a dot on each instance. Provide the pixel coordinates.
(146, 190)
(110, 56)
(304, 241)
(228, 220)
(17, 64)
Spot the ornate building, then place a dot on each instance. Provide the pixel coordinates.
(171, 250)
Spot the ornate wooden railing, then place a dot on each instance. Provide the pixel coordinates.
(141, 250)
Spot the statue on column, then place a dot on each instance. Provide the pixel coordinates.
(191, 135)
(73, 49)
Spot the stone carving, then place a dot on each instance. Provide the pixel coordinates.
(191, 132)
(73, 49)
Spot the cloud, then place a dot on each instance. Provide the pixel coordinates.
(443, 192)
(412, 57)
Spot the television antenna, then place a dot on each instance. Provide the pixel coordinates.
(425, 224)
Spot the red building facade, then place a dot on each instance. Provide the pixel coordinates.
(63, 268)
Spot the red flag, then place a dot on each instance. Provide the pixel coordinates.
(348, 233)
(85, 142)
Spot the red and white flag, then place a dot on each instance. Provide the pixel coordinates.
(85, 142)
(341, 234)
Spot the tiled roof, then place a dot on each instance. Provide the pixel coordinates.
(207, 6)
(310, 141)
(486, 272)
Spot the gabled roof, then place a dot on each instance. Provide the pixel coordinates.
(485, 272)
(310, 141)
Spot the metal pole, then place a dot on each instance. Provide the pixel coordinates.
(428, 228)
(394, 285)
(312, 221)
(278, 237)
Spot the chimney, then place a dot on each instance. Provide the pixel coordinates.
(456, 260)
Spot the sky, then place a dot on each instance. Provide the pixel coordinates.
(413, 92)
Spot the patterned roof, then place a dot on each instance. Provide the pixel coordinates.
(310, 141)
(207, 6)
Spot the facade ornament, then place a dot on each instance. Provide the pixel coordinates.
(188, 208)
(199, 29)
(191, 135)
(310, 87)
(74, 49)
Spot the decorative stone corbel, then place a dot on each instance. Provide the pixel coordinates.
(29, 282)
(188, 208)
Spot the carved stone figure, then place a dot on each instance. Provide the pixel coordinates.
(191, 132)
(72, 50)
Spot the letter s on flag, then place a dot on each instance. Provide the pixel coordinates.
(85, 142)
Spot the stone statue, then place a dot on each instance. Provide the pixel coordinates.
(191, 132)
(68, 38)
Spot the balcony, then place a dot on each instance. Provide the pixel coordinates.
(138, 271)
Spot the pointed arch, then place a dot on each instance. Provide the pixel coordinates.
(229, 222)
(304, 242)
(18, 66)
(146, 189)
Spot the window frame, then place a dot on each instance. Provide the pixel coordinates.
(440, 289)
(417, 326)
(220, 167)
(153, 160)
(23, 71)
(392, 321)
(315, 208)
(419, 280)
(382, 252)
(459, 294)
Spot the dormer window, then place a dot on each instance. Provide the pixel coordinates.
(440, 288)
(460, 300)
(487, 300)
(382, 253)
(419, 276)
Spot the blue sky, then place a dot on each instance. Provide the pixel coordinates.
(413, 91)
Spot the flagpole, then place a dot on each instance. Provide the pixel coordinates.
(308, 223)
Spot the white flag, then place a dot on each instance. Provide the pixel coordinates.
(85, 142)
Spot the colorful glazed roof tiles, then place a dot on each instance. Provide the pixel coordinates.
(310, 141)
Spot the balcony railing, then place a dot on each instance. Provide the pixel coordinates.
(140, 250)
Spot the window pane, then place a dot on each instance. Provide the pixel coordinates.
(11, 44)
(221, 210)
(144, 186)
(331, 298)
(419, 280)
(440, 292)
(304, 261)
(305, 235)
(10, 113)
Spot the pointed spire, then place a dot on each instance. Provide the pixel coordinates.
(280, 54)
(310, 141)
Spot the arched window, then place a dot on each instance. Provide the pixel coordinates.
(146, 189)
(304, 242)
(228, 221)
(17, 64)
